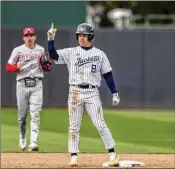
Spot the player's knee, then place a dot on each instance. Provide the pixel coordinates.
(22, 121)
(35, 117)
(100, 126)
(21, 118)
(73, 130)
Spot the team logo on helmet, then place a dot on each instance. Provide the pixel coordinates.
(89, 28)
(81, 29)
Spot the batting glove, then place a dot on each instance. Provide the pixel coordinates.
(115, 99)
(51, 33)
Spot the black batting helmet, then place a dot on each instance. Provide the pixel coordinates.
(85, 29)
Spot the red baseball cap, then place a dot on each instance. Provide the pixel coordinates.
(29, 31)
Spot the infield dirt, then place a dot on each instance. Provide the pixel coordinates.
(61, 160)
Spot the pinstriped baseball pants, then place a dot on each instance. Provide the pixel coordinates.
(29, 99)
(86, 99)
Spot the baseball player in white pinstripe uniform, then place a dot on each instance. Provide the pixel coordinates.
(25, 60)
(85, 64)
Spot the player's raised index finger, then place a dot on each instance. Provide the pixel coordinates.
(52, 26)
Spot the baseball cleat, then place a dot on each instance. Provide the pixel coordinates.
(113, 159)
(22, 147)
(22, 144)
(73, 161)
(33, 148)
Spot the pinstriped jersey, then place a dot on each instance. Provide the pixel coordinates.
(31, 58)
(84, 66)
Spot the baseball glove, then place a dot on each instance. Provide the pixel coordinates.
(45, 62)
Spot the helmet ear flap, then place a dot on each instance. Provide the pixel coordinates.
(91, 37)
(76, 36)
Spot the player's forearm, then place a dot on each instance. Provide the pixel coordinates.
(110, 82)
(52, 51)
(11, 68)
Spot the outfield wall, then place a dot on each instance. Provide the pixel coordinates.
(41, 14)
(143, 64)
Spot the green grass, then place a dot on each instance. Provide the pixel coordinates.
(135, 131)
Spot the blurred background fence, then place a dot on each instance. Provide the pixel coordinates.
(143, 63)
(143, 60)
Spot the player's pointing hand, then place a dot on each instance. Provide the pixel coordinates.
(52, 28)
(51, 33)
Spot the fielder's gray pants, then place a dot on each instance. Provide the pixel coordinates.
(29, 99)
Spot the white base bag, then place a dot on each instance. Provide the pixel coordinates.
(126, 163)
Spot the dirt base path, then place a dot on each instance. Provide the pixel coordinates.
(59, 160)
